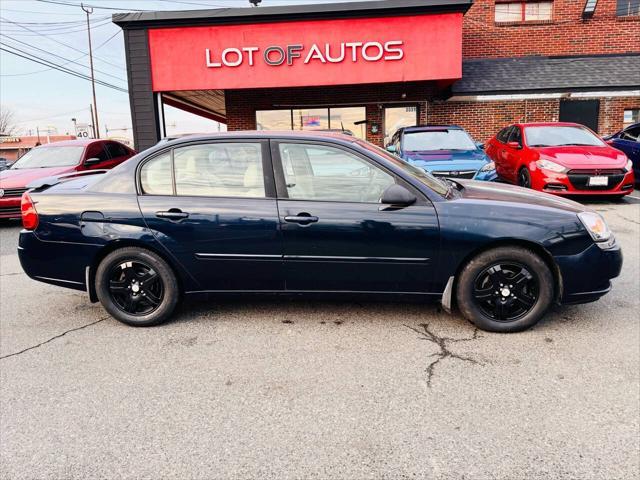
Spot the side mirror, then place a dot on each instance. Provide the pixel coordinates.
(480, 146)
(515, 145)
(92, 161)
(391, 148)
(397, 196)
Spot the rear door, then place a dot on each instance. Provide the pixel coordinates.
(337, 235)
(497, 151)
(212, 206)
(512, 155)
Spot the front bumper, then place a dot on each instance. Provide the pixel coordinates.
(10, 207)
(587, 276)
(575, 182)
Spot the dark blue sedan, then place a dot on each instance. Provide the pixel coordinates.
(628, 140)
(265, 212)
(444, 151)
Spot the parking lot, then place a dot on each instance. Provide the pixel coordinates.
(282, 388)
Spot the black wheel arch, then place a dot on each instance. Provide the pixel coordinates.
(513, 242)
(116, 245)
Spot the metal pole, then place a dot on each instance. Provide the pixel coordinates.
(96, 127)
(93, 121)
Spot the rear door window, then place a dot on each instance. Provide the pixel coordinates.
(155, 175)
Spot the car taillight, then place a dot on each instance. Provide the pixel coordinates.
(29, 213)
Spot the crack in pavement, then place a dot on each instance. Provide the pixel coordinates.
(8, 274)
(52, 338)
(444, 352)
(628, 219)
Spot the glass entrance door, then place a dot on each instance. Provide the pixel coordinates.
(396, 117)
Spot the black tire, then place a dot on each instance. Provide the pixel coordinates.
(137, 287)
(524, 178)
(505, 289)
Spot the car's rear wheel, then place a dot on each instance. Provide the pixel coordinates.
(137, 287)
(506, 289)
(524, 178)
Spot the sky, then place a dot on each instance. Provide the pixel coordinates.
(46, 99)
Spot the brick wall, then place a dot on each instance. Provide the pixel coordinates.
(566, 34)
(485, 119)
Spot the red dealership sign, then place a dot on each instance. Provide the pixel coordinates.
(306, 53)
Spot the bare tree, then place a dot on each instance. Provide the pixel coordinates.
(7, 121)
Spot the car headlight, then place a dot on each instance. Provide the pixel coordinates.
(552, 166)
(629, 166)
(595, 225)
(487, 167)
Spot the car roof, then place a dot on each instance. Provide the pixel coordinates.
(427, 128)
(81, 142)
(549, 124)
(300, 135)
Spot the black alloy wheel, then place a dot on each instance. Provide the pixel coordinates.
(506, 291)
(524, 178)
(135, 287)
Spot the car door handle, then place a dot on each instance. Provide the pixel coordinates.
(302, 218)
(172, 214)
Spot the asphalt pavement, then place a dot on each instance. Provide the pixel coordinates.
(281, 388)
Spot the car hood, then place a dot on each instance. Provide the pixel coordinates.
(584, 157)
(447, 160)
(510, 193)
(19, 178)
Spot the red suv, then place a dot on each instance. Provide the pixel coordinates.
(560, 158)
(56, 159)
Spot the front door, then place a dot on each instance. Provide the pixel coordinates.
(212, 207)
(337, 235)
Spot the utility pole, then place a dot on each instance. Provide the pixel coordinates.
(88, 11)
(93, 121)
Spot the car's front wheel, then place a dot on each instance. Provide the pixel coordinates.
(505, 289)
(136, 287)
(524, 178)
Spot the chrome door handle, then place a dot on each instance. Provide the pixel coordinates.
(172, 214)
(301, 218)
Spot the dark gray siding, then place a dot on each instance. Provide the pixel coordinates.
(144, 115)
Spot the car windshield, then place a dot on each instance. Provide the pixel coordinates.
(435, 184)
(43, 157)
(437, 140)
(558, 136)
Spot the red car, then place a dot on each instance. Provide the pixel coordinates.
(56, 159)
(560, 158)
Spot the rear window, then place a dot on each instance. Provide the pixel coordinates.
(559, 136)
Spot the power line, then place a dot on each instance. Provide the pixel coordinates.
(59, 56)
(63, 64)
(91, 6)
(59, 42)
(50, 64)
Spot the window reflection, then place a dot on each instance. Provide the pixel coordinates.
(273, 119)
(340, 118)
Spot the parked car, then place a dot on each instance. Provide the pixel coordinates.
(444, 151)
(4, 163)
(560, 158)
(56, 159)
(305, 212)
(628, 140)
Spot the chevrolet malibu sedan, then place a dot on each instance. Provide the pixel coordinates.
(66, 157)
(310, 213)
(560, 158)
(444, 151)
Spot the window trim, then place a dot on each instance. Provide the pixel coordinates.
(281, 186)
(523, 19)
(267, 168)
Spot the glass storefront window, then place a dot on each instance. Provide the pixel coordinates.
(396, 117)
(273, 119)
(346, 118)
(314, 119)
(311, 119)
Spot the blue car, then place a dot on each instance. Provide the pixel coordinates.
(443, 151)
(628, 141)
(309, 213)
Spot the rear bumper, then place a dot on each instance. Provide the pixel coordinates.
(587, 276)
(57, 263)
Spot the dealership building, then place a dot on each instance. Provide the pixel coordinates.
(372, 67)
